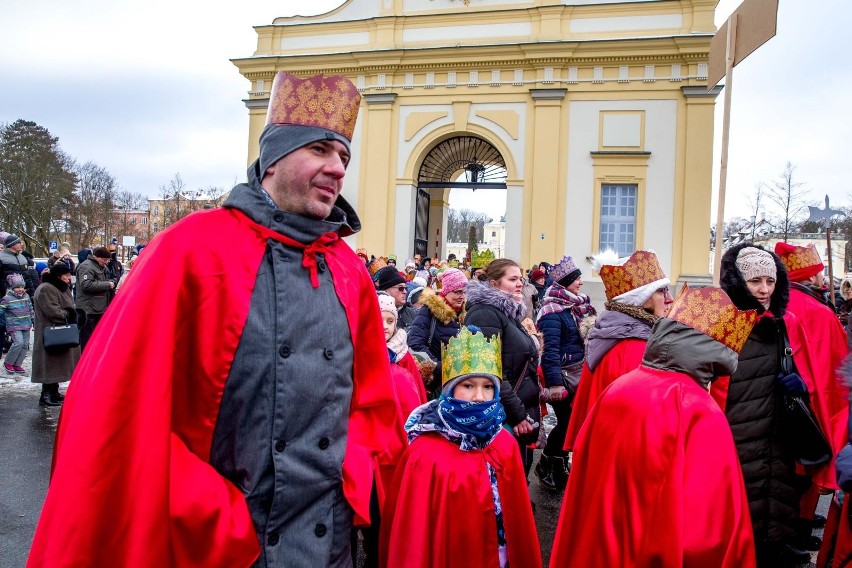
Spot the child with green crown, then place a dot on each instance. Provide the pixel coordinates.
(459, 497)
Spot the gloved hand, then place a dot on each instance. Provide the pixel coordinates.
(793, 384)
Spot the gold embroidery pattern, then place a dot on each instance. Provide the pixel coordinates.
(640, 269)
(711, 311)
(327, 102)
(471, 354)
(377, 265)
(802, 257)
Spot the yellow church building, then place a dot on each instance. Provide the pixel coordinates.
(594, 115)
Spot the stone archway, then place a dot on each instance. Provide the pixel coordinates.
(461, 161)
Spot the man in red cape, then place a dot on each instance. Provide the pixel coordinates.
(825, 340)
(637, 296)
(243, 359)
(655, 479)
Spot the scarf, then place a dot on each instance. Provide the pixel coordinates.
(558, 299)
(398, 345)
(615, 325)
(471, 425)
(636, 312)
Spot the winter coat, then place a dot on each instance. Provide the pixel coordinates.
(496, 313)
(405, 316)
(17, 312)
(53, 306)
(531, 298)
(563, 345)
(752, 408)
(446, 321)
(93, 289)
(11, 263)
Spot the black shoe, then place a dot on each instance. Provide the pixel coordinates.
(55, 396)
(817, 522)
(792, 555)
(560, 468)
(544, 473)
(47, 400)
(806, 542)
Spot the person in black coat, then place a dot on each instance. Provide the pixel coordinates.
(438, 320)
(755, 278)
(495, 305)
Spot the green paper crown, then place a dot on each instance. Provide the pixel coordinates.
(471, 354)
(481, 260)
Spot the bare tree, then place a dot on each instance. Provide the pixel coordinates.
(172, 195)
(459, 221)
(214, 195)
(36, 182)
(789, 198)
(124, 221)
(92, 205)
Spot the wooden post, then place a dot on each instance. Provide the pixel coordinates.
(832, 299)
(726, 127)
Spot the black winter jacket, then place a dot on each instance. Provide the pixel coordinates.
(752, 408)
(496, 313)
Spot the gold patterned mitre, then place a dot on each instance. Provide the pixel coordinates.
(710, 311)
(377, 264)
(641, 269)
(471, 354)
(481, 260)
(801, 262)
(329, 102)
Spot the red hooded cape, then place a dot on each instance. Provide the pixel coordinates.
(440, 511)
(818, 351)
(410, 393)
(131, 482)
(825, 341)
(655, 481)
(624, 357)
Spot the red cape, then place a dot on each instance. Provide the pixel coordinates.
(131, 483)
(818, 350)
(410, 393)
(655, 481)
(440, 511)
(824, 340)
(624, 357)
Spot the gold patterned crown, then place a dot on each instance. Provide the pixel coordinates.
(481, 259)
(801, 262)
(470, 353)
(710, 311)
(641, 269)
(326, 102)
(377, 264)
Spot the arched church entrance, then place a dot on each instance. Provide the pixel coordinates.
(461, 161)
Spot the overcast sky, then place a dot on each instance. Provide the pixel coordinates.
(146, 89)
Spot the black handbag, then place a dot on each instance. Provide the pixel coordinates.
(571, 376)
(799, 426)
(61, 337)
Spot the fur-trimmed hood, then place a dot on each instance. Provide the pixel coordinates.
(734, 285)
(437, 306)
(481, 293)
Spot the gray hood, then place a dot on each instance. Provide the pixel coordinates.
(610, 328)
(674, 346)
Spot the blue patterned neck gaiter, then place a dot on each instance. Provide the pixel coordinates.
(482, 420)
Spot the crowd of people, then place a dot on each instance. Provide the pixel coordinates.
(64, 292)
(298, 401)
